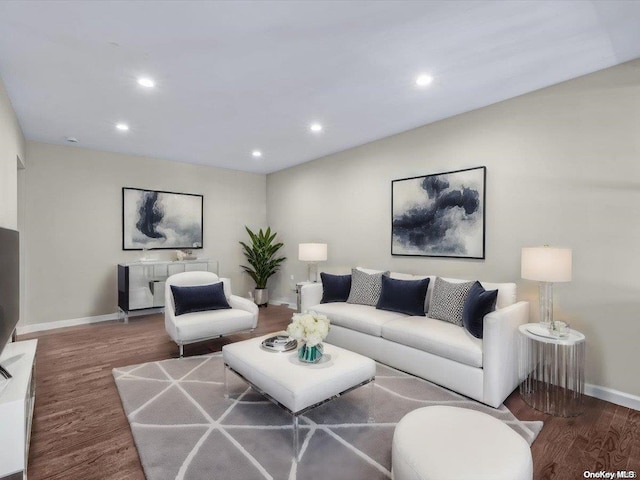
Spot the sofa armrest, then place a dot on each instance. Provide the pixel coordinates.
(310, 296)
(245, 304)
(501, 348)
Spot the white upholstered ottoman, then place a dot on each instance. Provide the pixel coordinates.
(295, 386)
(450, 443)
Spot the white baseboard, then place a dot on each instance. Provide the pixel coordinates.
(72, 322)
(283, 301)
(614, 396)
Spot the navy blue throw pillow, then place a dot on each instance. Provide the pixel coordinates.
(403, 296)
(479, 302)
(335, 288)
(199, 298)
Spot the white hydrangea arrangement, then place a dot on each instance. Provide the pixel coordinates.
(309, 327)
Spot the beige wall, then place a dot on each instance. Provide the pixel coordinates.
(563, 168)
(11, 147)
(73, 218)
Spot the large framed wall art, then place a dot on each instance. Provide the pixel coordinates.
(153, 219)
(439, 215)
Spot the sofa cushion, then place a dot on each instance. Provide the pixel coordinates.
(447, 300)
(370, 271)
(193, 326)
(362, 318)
(407, 276)
(199, 298)
(507, 292)
(479, 303)
(365, 287)
(437, 337)
(335, 288)
(403, 296)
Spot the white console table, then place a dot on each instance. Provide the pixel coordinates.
(17, 399)
(141, 284)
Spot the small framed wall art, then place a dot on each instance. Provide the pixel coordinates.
(439, 215)
(153, 219)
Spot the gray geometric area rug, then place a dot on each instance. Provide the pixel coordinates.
(184, 428)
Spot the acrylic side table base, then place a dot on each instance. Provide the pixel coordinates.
(553, 372)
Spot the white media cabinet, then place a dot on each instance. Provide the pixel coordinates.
(17, 398)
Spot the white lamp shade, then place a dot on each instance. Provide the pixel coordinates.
(312, 252)
(546, 264)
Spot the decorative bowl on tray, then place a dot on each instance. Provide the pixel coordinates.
(279, 343)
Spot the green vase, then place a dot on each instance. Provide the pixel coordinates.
(309, 354)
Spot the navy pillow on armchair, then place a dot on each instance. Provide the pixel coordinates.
(479, 302)
(335, 288)
(199, 298)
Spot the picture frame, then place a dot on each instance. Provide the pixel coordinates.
(440, 215)
(161, 220)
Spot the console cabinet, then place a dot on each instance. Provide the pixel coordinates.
(17, 399)
(141, 284)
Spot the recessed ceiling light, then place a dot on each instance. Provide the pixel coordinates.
(146, 82)
(256, 154)
(424, 80)
(315, 127)
(72, 139)
(123, 127)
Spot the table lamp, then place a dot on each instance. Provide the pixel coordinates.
(546, 265)
(312, 253)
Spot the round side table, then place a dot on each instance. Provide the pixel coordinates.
(553, 370)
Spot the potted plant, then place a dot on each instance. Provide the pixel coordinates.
(262, 261)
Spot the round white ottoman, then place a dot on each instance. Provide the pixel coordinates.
(450, 443)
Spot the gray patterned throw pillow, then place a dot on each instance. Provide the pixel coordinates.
(447, 300)
(365, 288)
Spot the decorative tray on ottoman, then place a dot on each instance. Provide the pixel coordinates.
(279, 343)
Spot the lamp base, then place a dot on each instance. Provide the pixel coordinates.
(556, 328)
(546, 305)
(311, 266)
(560, 329)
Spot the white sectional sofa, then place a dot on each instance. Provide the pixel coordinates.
(484, 369)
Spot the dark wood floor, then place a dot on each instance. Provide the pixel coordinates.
(80, 430)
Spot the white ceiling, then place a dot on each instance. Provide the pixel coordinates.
(237, 76)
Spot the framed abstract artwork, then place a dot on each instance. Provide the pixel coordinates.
(153, 219)
(439, 215)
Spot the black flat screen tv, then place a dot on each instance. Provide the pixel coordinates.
(9, 284)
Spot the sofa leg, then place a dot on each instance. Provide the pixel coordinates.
(181, 350)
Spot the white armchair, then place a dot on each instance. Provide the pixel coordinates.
(198, 326)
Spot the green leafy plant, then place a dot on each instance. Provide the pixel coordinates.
(261, 256)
